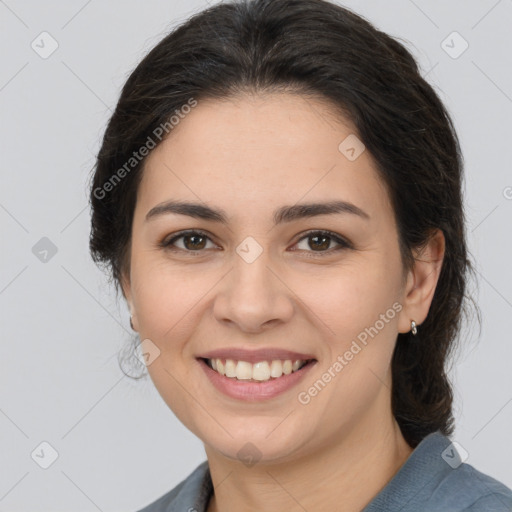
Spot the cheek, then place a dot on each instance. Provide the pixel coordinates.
(357, 312)
(165, 296)
(350, 298)
(171, 383)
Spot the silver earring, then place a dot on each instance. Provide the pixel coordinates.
(413, 327)
(131, 324)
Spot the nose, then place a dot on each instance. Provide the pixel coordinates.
(253, 295)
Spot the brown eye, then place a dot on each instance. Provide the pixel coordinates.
(192, 241)
(195, 241)
(319, 241)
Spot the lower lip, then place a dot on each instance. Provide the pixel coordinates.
(254, 391)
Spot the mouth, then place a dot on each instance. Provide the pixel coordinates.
(255, 375)
(260, 371)
(259, 381)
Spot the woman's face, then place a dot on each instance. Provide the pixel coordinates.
(265, 281)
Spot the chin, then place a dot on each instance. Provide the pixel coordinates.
(264, 444)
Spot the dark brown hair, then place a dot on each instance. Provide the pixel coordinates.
(315, 48)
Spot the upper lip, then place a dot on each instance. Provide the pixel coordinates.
(254, 356)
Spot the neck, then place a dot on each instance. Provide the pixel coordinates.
(351, 470)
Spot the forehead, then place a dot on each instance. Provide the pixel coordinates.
(262, 151)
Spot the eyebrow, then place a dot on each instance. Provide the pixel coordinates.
(281, 215)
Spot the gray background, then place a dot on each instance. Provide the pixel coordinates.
(119, 446)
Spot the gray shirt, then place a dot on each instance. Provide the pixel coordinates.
(433, 479)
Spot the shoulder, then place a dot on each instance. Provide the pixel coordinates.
(192, 493)
(468, 489)
(435, 478)
(162, 503)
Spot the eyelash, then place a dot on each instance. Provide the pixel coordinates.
(344, 244)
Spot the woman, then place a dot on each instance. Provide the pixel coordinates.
(278, 197)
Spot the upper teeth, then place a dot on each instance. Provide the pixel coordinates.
(261, 370)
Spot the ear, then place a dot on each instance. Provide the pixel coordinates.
(127, 292)
(421, 282)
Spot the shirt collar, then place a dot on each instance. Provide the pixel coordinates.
(195, 493)
(426, 459)
(426, 462)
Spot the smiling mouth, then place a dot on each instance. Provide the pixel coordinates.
(261, 371)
